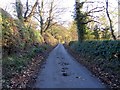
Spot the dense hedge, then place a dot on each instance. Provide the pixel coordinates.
(105, 54)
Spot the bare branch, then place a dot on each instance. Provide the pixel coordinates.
(89, 22)
(25, 15)
(32, 11)
(92, 10)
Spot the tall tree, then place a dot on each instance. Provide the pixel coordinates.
(110, 21)
(84, 17)
(32, 12)
(19, 9)
(80, 19)
(25, 16)
(47, 13)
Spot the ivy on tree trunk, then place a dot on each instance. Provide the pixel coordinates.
(80, 19)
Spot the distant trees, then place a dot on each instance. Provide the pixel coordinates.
(96, 32)
(73, 31)
(60, 33)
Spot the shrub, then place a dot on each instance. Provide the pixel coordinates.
(105, 54)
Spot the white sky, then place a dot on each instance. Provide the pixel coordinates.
(7, 4)
(67, 16)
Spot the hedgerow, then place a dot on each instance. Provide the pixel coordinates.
(105, 54)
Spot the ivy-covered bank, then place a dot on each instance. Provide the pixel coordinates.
(20, 67)
(103, 54)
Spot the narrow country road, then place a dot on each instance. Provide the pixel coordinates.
(61, 70)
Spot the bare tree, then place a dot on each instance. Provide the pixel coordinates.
(32, 12)
(46, 14)
(110, 21)
(25, 16)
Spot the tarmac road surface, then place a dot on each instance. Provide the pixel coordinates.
(61, 70)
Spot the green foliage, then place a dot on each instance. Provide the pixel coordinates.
(14, 64)
(106, 35)
(105, 53)
(97, 34)
(10, 35)
(72, 43)
(17, 36)
(49, 39)
(89, 35)
(73, 31)
(20, 43)
(45, 47)
(60, 33)
(82, 19)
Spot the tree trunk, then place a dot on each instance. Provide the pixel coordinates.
(19, 9)
(110, 21)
